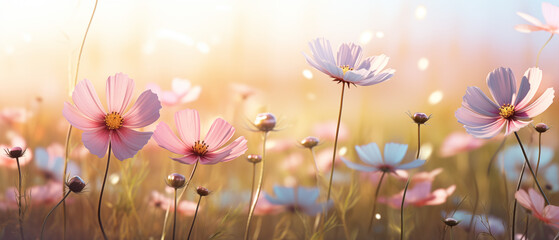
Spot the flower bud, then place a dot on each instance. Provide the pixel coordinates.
(254, 158)
(265, 122)
(76, 184)
(420, 118)
(541, 127)
(451, 222)
(310, 142)
(15, 152)
(202, 191)
(176, 180)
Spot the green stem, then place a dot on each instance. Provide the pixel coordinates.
(530, 167)
(451, 237)
(51, 211)
(539, 152)
(541, 49)
(335, 145)
(20, 213)
(402, 210)
(375, 200)
(194, 220)
(258, 188)
(101, 195)
(418, 140)
(516, 202)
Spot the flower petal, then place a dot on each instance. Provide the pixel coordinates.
(530, 19)
(374, 63)
(478, 102)
(369, 153)
(528, 87)
(237, 147)
(165, 138)
(378, 77)
(192, 95)
(472, 119)
(284, 196)
(220, 132)
(413, 164)
(78, 120)
(525, 28)
(96, 141)
(86, 100)
(188, 125)
(349, 54)
(119, 92)
(551, 14)
(536, 200)
(502, 85)
(538, 106)
(211, 158)
(486, 131)
(514, 126)
(188, 159)
(307, 196)
(144, 112)
(126, 142)
(394, 153)
(358, 167)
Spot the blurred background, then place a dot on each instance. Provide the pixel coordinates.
(246, 57)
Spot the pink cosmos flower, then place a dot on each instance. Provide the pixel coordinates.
(15, 115)
(264, 207)
(158, 200)
(511, 109)
(551, 15)
(47, 194)
(16, 141)
(114, 126)
(323, 160)
(348, 68)
(419, 195)
(190, 145)
(182, 92)
(534, 202)
(420, 176)
(51, 162)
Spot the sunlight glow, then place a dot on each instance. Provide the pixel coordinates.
(435, 97)
(342, 151)
(307, 74)
(426, 151)
(420, 12)
(366, 37)
(377, 216)
(423, 64)
(379, 34)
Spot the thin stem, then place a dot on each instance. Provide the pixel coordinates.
(175, 215)
(515, 201)
(375, 200)
(335, 145)
(541, 49)
(451, 237)
(539, 152)
(418, 140)
(64, 172)
(476, 203)
(70, 128)
(530, 167)
(194, 220)
(180, 196)
(19, 199)
(101, 195)
(252, 185)
(316, 171)
(495, 155)
(402, 210)
(259, 186)
(525, 235)
(51, 211)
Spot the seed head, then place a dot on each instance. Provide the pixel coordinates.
(176, 180)
(265, 122)
(15, 152)
(420, 118)
(310, 142)
(451, 222)
(541, 127)
(254, 158)
(202, 191)
(76, 184)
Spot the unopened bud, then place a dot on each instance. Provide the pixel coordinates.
(310, 142)
(254, 158)
(541, 127)
(265, 122)
(420, 118)
(202, 191)
(176, 180)
(451, 222)
(15, 152)
(76, 184)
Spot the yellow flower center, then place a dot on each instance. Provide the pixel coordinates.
(506, 111)
(113, 120)
(346, 68)
(200, 148)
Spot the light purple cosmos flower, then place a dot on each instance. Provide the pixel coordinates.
(551, 15)
(511, 109)
(393, 155)
(300, 198)
(348, 68)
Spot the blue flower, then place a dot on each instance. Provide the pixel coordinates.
(513, 159)
(300, 199)
(52, 164)
(393, 155)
